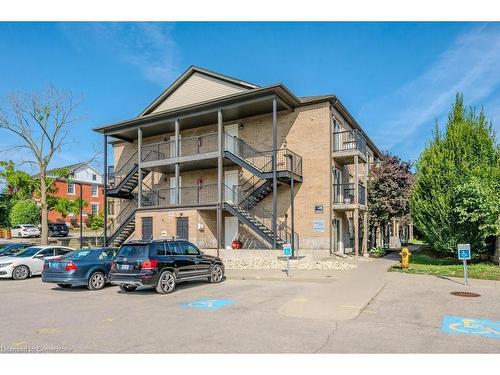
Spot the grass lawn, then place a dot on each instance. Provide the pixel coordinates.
(424, 262)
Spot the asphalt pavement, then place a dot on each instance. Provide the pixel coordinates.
(366, 310)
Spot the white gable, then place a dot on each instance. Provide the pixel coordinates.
(87, 174)
(197, 88)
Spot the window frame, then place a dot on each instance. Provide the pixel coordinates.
(96, 186)
(72, 184)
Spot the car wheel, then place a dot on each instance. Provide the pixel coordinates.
(51, 234)
(216, 274)
(21, 273)
(96, 281)
(128, 288)
(64, 285)
(166, 283)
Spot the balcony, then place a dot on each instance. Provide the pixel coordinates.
(197, 145)
(347, 144)
(188, 196)
(344, 196)
(200, 152)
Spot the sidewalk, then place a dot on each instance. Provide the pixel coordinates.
(329, 294)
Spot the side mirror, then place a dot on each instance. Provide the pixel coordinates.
(39, 256)
(201, 254)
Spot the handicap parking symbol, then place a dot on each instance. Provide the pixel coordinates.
(470, 326)
(208, 304)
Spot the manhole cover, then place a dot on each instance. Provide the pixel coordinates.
(465, 294)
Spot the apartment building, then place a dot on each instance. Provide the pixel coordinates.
(85, 177)
(224, 162)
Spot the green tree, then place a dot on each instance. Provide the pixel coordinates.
(96, 222)
(457, 183)
(18, 184)
(25, 211)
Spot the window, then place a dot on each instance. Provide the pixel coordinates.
(62, 251)
(106, 255)
(175, 248)
(95, 190)
(94, 177)
(111, 208)
(94, 208)
(71, 188)
(189, 249)
(46, 253)
(160, 248)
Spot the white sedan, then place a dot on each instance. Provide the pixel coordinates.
(25, 230)
(29, 262)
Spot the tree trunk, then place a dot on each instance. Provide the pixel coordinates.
(43, 201)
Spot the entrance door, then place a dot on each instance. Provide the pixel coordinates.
(231, 143)
(173, 199)
(147, 228)
(230, 181)
(337, 181)
(183, 228)
(230, 230)
(337, 236)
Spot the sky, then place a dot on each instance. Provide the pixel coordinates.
(397, 79)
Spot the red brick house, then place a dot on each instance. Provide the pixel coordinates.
(91, 181)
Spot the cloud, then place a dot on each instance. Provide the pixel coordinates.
(469, 65)
(147, 46)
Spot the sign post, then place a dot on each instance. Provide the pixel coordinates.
(464, 254)
(287, 251)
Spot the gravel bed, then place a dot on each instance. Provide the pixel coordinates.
(276, 264)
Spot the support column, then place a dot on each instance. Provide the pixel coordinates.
(220, 176)
(356, 179)
(275, 178)
(410, 232)
(356, 231)
(139, 170)
(365, 234)
(177, 167)
(105, 190)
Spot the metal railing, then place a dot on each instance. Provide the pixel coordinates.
(349, 140)
(116, 176)
(119, 220)
(344, 194)
(236, 197)
(158, 151)
(200, 144)
(188, 195)
(263, 160)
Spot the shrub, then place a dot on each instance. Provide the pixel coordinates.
(377, 252)
(25, 211)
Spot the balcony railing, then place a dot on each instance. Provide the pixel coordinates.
(189, 195)
(196, 145)
(344, 194)
(349, 140)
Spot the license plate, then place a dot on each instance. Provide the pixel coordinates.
(53, 265)
(125, 267)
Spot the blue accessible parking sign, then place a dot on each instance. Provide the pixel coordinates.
(287, 250)
(208, 304)
(464, 252)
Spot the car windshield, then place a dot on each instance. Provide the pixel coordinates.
(28, 252)
(133, 251)
(77, 254)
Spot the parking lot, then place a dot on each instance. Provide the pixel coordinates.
(402, 313)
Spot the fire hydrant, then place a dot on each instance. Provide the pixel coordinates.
(405, 257)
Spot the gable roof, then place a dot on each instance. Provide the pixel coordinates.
(186, 75)
(74, 167)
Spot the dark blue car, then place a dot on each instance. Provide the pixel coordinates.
(88, 267)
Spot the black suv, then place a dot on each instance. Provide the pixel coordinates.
(58, 229)
(162, 264)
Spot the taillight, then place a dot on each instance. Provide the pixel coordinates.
(113, 265)
(149, 264)
(70, 266)
(45, 266)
